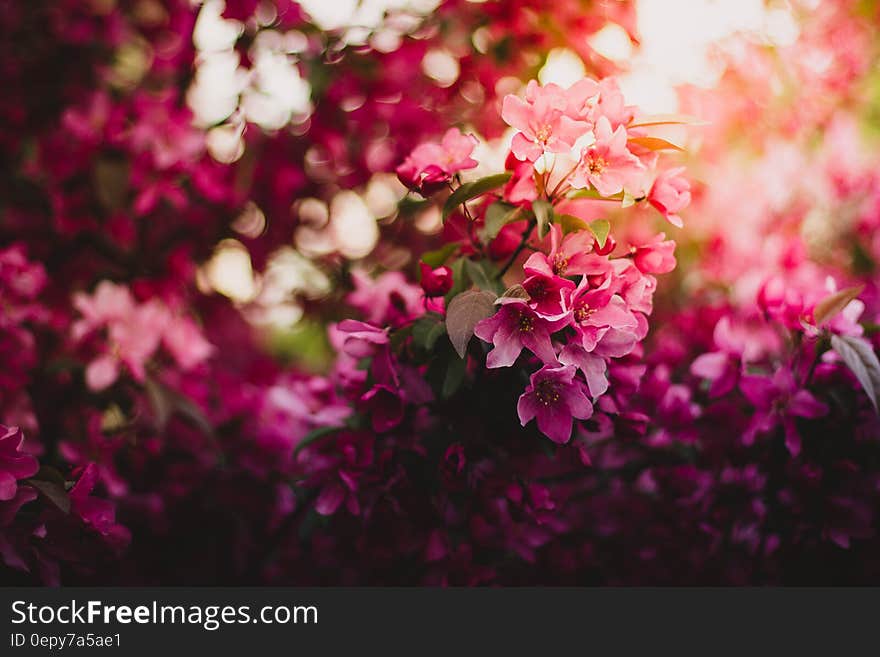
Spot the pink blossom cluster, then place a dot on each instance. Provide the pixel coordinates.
(134, 333)
(522, 382)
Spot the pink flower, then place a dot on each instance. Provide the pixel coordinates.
(596, 310)
(387, 299)
(735, 344)
(779, 400)
(571, 257)
(185, 342)
(110, 302)
(590, 364)
(655, 257)
(542, 122)
(134, 333)
(364, 340)
(554, 397)
(611, 105)
(607, 165)
(516, 326)
(581, 97)
(670, 194)
(430, 166)
(435, 282)
(782, 302)
(520, 189)
(14, 464)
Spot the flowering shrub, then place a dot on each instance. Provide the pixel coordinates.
(296, 295)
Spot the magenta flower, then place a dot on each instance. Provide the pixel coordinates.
(778, 401)
(670, 194)
(367, 341)
(569, 256)
(542, 122)
(516, 326)
(14, 464)
(608, 165)
(553, 397)
(735, 343)
(98, 513)
(385, 407)
(782, 302)
(362, 339)
(549, 295)
(435, 281)
(430, 166)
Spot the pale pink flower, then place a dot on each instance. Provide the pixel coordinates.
(608, 165)
(569, 256)
(185, 342)
(611, 105)
(516, 326)
(431, 165)
(542, 121)
(110, 302)
(655, 257)
(670, 194)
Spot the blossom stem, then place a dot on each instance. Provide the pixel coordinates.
(522, 245)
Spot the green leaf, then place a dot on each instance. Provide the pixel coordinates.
(570, 223)
(600, 229)
(160, 402)
(427, 330)
(471, 190)
(314, 435)
(166, 402)
(455, 372)
(53, 492)
(462, 315)
(859, 356)
(48, 473)
(594, 195)
(498, 215)
(488, 183)
(543, 215)
(460, 280)
(436, 258)
(833, 304)
(478, 274)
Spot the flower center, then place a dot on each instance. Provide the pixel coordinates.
(526, 324)
(582, 313)
(546, 393)
(537, 289)
(596, 165)
(543, 133)
(560, 264)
